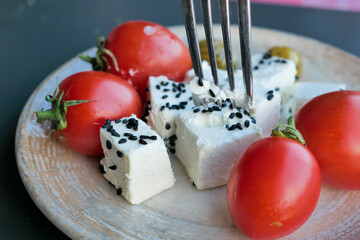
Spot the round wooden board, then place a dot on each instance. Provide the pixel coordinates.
(69, 189)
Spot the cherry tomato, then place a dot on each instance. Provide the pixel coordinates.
(330, 124)
(144, 49)
(273, 188)
(114, 98)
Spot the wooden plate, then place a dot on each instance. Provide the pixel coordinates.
(69, 189)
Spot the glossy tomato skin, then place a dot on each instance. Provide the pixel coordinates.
(330, 125)
(115, 98)
(273, 188)
(144, 49)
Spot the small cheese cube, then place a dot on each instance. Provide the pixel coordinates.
(167, 99)
(209, 142)
(136, 160)
(308, 90)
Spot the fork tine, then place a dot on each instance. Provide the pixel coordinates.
(245, 45)
(191, 33)
(225, 25)
(207, 17)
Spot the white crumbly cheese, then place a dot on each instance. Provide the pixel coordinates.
(136, 160)
(308, 90)
(209, 141)
(167, 99)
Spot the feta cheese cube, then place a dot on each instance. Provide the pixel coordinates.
(167, 99)
(308, 90)
(136, 160)
(209, 142)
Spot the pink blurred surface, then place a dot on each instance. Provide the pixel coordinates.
(344, 5)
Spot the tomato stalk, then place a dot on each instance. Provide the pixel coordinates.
(289, 131)
(57, 113)
(99, 62)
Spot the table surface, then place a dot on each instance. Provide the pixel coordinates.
(38, 35)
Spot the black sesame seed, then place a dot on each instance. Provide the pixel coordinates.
(109, 128)
(129, 125)
(253, 120)
(267, 56)
(223, 105)
(204, 111)
(127, 134)
(211, 93)
(115, 134)
(101, 168)
(232, 127)
(113, 167)
(107, 121)
(227, 126)
(105, 125)
(200, 82)
(183, 102)
(120, 154)
(119, 191)
(270, 91)
(183, 91)
(158, 87)
(247, 123)
(182, 106)
(108, 144)
(190, 98)
(167, 105)
(144, 137)
(232, 115)
(123, 140)
(164, 96)
(124, 121)
(153, 137)
(239, 115)
(174, 90)
(142, 141)
(166, 90)
(133, 138)
(231, 106)
(277, 89)
(172, 150)
(270, 96)
(147, 89)
(210, 109)
(117, 120)
(167, 126)
(178, 95)
(283, 61)
(136, 127)
(256, 68)
(247, 113)
(173, 138)
(278, 60)
(261, 62)
(216, 108)
(196, 110)
(193, 184)
(238, 126)
(162, 108)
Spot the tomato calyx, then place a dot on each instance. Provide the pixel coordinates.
(99, 62)
(57, 113)
(289, 131)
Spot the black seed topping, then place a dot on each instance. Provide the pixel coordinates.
(277, 89)
(270, 96)
(119, 191)
(204, 111)
(133, 138)
(283, 61)
(231, 106)
(200, 82)
(117, 120)
(115, 134)
(107, 121)
(127, 134)
(158, 87)
(211, 93)
(256, 68)
(216, 108)
(247, 113)
(162, 108)
(153, 137)
(270, 92)
(109, 128)
(164, 96)
(172, 150)
(101, 168)
(166, 90)
(239, 115)
(196, 110)
(142, 141)
(147, 89)
(232, 127)
(232, 115)
(129, 125)
(106, 125)
(120, 154)
(210, 110)
(178, 95)
(144, 137)
(247, 123)
(108, 144)
(223, 105)
(183, 103)
(193, 184)
(261, 62)
(174, 89)
(190, 98)
(227, 126)
(123, 140)
(162, 83)
(238, 126)
(124, 121)
(167, 105)
(113, 167)
(167, 126)
(253, 120)
(267, 56)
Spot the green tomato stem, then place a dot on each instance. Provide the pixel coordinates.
(289, 131)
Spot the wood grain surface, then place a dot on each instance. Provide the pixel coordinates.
(69, 189)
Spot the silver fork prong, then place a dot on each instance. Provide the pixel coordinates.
(207, 18)
(245, 45)
(191, 33)
(225, 25)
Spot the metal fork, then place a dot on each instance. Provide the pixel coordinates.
(245, 41)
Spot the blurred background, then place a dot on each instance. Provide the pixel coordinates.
(37, 36)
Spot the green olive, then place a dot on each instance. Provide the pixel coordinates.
(288, 53)
(219, 53)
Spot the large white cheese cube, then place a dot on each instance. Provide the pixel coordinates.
(167, 99)
(210, 141)
(136, 160)
(308, 90)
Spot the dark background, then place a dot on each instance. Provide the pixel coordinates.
(36, 36)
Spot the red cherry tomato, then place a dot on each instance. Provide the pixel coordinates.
(144, 49)
(330, 124)
(273, 188)
(115, 98)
